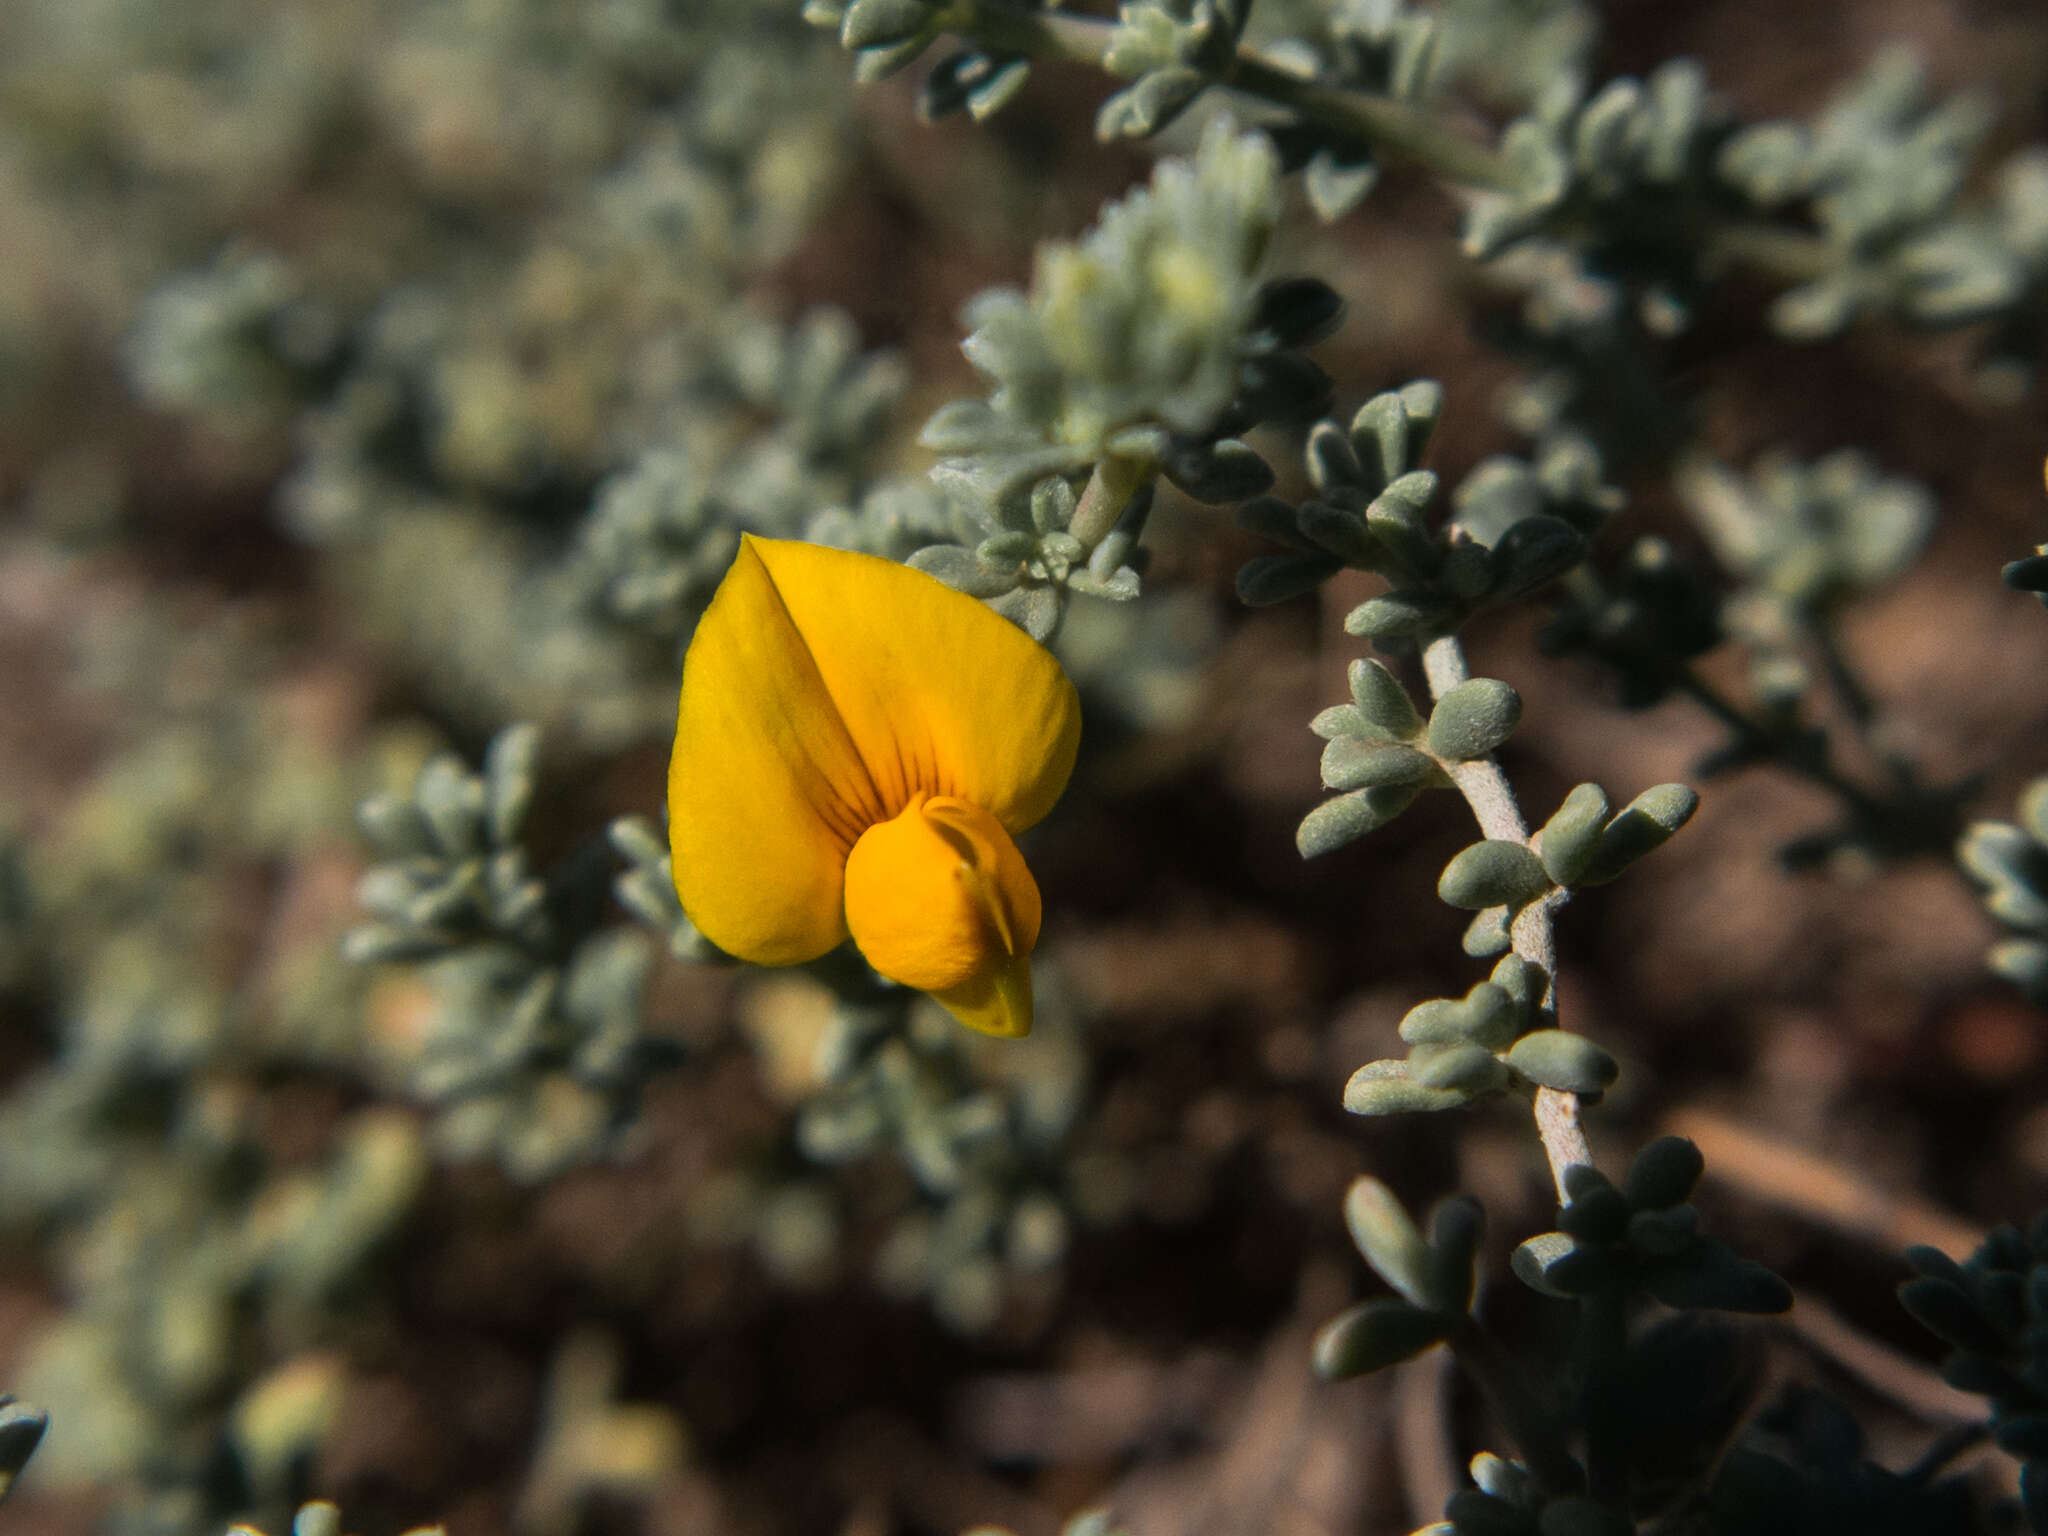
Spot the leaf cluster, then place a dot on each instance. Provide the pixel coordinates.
(1517, 524)
(532, 1051)
(1992, 1312)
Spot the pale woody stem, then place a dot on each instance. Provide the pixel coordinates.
(1493, 804)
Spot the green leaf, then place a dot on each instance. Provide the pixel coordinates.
(1404, 615)
(1496, 873)
(1153, 101)
(21, 1431)
(1383, 701)
(1385, 1088)
(1710, 1275)
(1948, 1312)
(1663, 1174)
(1472, 719)
(1390, 1242)
(879, 23)
(1335, 186)
(1557, 1058)
(1343, 534)
(1352, 762)
(1349, 817)
(1470, 1069)
(1572, 835)
(1455, 1227)
(1484, 1016)
(1270, 579)
(1488, 934)
(1646, 823)
(1374, 1335)
(1532, 1260)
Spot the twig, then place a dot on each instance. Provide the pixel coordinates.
(1492, 799)
(1425, 136)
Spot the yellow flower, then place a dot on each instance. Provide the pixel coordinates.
(856, 746)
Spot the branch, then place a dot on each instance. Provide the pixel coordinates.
(1492, 799)
(1435, 140)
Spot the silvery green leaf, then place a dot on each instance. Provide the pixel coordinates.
(1508, 1481)
(1470, 1069)
(1035, 610)
(871, 65)
(1768, 162)
(1222, 471)
(1525, 983)
(1455, 1228)
(394, 826)
(960, 569)
(1466, 570)
(1000, 89)
(382, 944)
(1600, 136)
(1147, 37)
(1269, 579)
(1663, 1174)
(1473, 719)
(1383, 701)
(1406, 496)
(952, 80)
(1488, 933)
(1119, 587)
(1348, 817)
(1155, 100)
(1678, 109)
(877, 23)
(1532, 1260)
(1374, 1335)
(1342, 534)
(1536, 163)
(1379, 440)
(1531, 553)
(452, 803)
(1645, 823)
(1391, 1244)
(1272, 518)
(1341, 720)
(1335, 186)
(1817, 310)
(1385, 1088)
(1352, 763)
(1556, 1058)
(1497, 872)
(966, 426)
(1398, 616)
(1332, 462)
(1484, 1016)
(509, 767)
(1572, 834)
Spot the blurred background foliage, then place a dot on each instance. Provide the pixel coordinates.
(383, 387)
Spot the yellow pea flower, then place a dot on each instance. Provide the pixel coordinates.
(856, 746)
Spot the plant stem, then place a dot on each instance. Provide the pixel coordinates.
(1492, 799)
(1111, 485)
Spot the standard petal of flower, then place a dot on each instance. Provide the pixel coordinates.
(939, 899)
(767, 793)
(940, 695)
